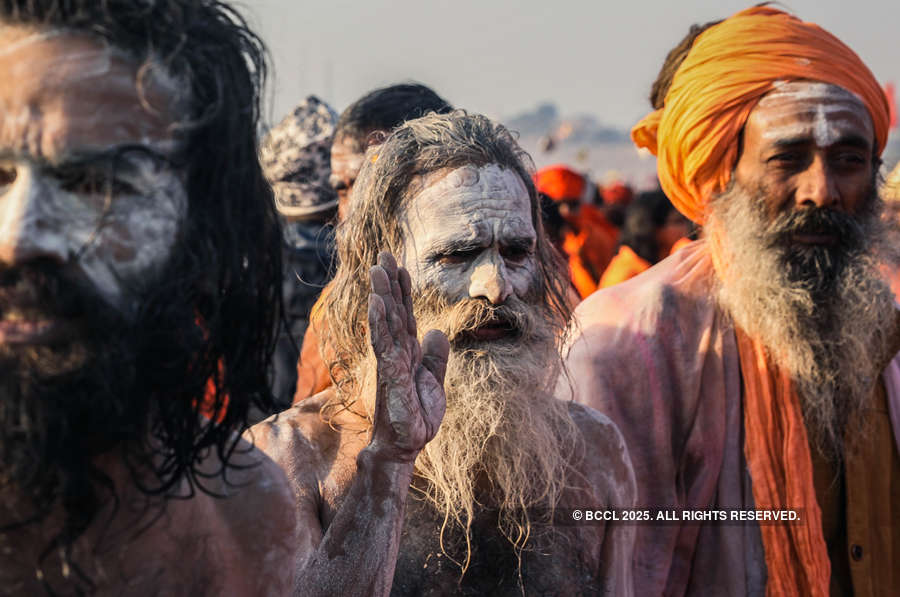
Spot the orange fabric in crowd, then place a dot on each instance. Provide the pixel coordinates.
(583, 279)
(729, 68)
(312, 371)
(589, 249)
(680, 244)
(559, 182)
(624, 266)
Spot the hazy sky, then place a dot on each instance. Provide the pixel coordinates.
(503, 57)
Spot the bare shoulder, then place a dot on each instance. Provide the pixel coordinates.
(245, 520)
(310, 450)
(296, 434)
(605, 462)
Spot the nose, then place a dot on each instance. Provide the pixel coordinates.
(817, 185)
(489, 279)
(26, 229)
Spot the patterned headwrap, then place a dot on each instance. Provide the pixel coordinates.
(296, 158)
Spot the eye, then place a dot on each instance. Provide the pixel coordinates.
(457, 257)
(786, 157)
(7, 175)
(516, 255)
(850, 159)
(95, 183)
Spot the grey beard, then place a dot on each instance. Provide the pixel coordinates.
(502, 422)
(822, 313)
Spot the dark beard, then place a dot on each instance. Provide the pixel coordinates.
(73, 398)
(817, 268)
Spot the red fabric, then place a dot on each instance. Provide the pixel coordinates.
(891, 94)
(207, 407)
(617, 193)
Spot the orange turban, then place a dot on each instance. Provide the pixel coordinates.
(728, 69)
(560, 183)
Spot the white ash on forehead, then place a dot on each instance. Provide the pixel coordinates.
(492, 179)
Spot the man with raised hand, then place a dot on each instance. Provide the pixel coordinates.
(483, 508)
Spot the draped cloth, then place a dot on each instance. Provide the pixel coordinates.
(728, 69)
(659, 357)
(780, 465)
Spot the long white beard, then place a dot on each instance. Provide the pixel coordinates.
(503, 429)
(831, 339)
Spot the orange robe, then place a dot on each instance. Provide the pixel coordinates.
(624, 266)
(590, 249)
(680, 243)
(312, 370)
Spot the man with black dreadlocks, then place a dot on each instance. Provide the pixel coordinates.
(137, 267)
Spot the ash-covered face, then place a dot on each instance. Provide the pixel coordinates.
(469, 235)
(86, 183)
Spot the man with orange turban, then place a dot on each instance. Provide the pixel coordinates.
(756, 368)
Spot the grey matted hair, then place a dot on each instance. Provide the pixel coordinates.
(392, 174)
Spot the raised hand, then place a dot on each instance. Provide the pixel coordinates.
(409, 401)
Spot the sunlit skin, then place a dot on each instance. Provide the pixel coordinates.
(808, 145)
(346, 162)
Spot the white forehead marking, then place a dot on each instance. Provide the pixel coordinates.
(808, 90)
(833, 106)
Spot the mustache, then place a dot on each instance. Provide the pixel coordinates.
(459, 319)
(46, 288)
(846, 229)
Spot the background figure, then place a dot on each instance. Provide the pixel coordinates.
(295, 155)
(584, 236)
(379, 111)
(652, 227)
(375, 114)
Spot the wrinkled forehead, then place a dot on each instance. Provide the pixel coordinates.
(812, 108)
(469, 206)
(474, 192)
(64, 91)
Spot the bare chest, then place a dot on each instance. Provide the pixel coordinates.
(552, 563)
